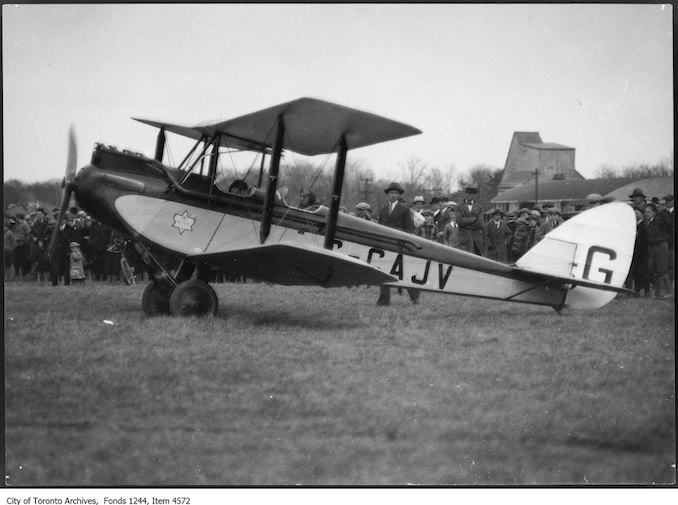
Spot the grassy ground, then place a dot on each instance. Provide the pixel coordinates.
(321, 387)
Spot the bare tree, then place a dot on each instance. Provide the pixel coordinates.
(606, 171)
(448, 178)
(487, 180)
(662, 169)
(415, 173)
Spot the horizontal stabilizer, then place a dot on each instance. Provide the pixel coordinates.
(549, 279)
(295, 265)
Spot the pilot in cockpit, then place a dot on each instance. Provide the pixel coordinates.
(308, 201)
(239, 187)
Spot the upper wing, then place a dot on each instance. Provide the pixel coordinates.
(312, 127)
(297, 265)
(198, 132)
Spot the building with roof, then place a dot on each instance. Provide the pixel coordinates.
(556, 182)
(528, 153)
(570, 195)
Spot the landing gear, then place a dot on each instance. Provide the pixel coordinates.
(193, 298)
(558, 308)
(153, 302)
(180, 293)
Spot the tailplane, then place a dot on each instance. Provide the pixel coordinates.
(595, 247)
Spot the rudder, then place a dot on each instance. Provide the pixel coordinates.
(595, 245)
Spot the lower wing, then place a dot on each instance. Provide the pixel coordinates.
(295, 265)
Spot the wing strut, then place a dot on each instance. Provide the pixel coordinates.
(267, 215)
(214, 162)
(336, 194)
(261, 168)
(160, 145)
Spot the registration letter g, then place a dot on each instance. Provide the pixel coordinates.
(589, 260)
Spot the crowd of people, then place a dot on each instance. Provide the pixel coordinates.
(85, 249)
(88, 249)
(506, 236)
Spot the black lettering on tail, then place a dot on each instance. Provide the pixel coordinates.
(589, 260)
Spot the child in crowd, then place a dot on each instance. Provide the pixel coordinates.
(77, 264)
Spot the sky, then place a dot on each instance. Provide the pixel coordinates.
(596, 77)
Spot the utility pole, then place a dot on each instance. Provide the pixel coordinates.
(365, 191)
(536, 186)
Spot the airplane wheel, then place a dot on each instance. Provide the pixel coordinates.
(153, 303)
(193, 298)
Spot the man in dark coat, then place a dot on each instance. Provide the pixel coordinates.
(470, 221)
(443, 218)
(638, 278)
(99, 237)
(669, 218)
(40, 236)
(498, 236)
(395, 215)
(60, 263)
(657, 252)
(638, 199)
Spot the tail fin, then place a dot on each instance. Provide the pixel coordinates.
(596, 246)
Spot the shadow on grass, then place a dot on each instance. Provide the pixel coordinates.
(276, 319)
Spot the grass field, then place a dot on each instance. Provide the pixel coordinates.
(309, 386)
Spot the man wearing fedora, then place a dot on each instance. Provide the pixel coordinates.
(395, 215)
(638, 199)
(470, 220)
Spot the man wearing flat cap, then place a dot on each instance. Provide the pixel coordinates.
(498, 235)
(552, 220)
(417, 207)
(443, 218)
(363, 210)
(470, 221)
(395, 215)
(593, 200)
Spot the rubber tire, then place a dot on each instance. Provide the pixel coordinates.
(153, 303)
(193, 298)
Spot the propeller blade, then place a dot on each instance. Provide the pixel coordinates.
(65, 200)
(68, 185)
(72, 159)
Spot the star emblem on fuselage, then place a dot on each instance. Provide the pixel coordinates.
(183, 222)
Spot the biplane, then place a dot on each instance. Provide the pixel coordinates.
(254, 232)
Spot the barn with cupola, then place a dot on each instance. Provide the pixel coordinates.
(529, 158)
(538, 173)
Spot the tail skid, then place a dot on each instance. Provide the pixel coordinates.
(594, 247)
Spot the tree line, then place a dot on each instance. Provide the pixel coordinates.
(663, 168)
(361, 184)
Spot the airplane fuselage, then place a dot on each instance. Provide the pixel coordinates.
(132, 194)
